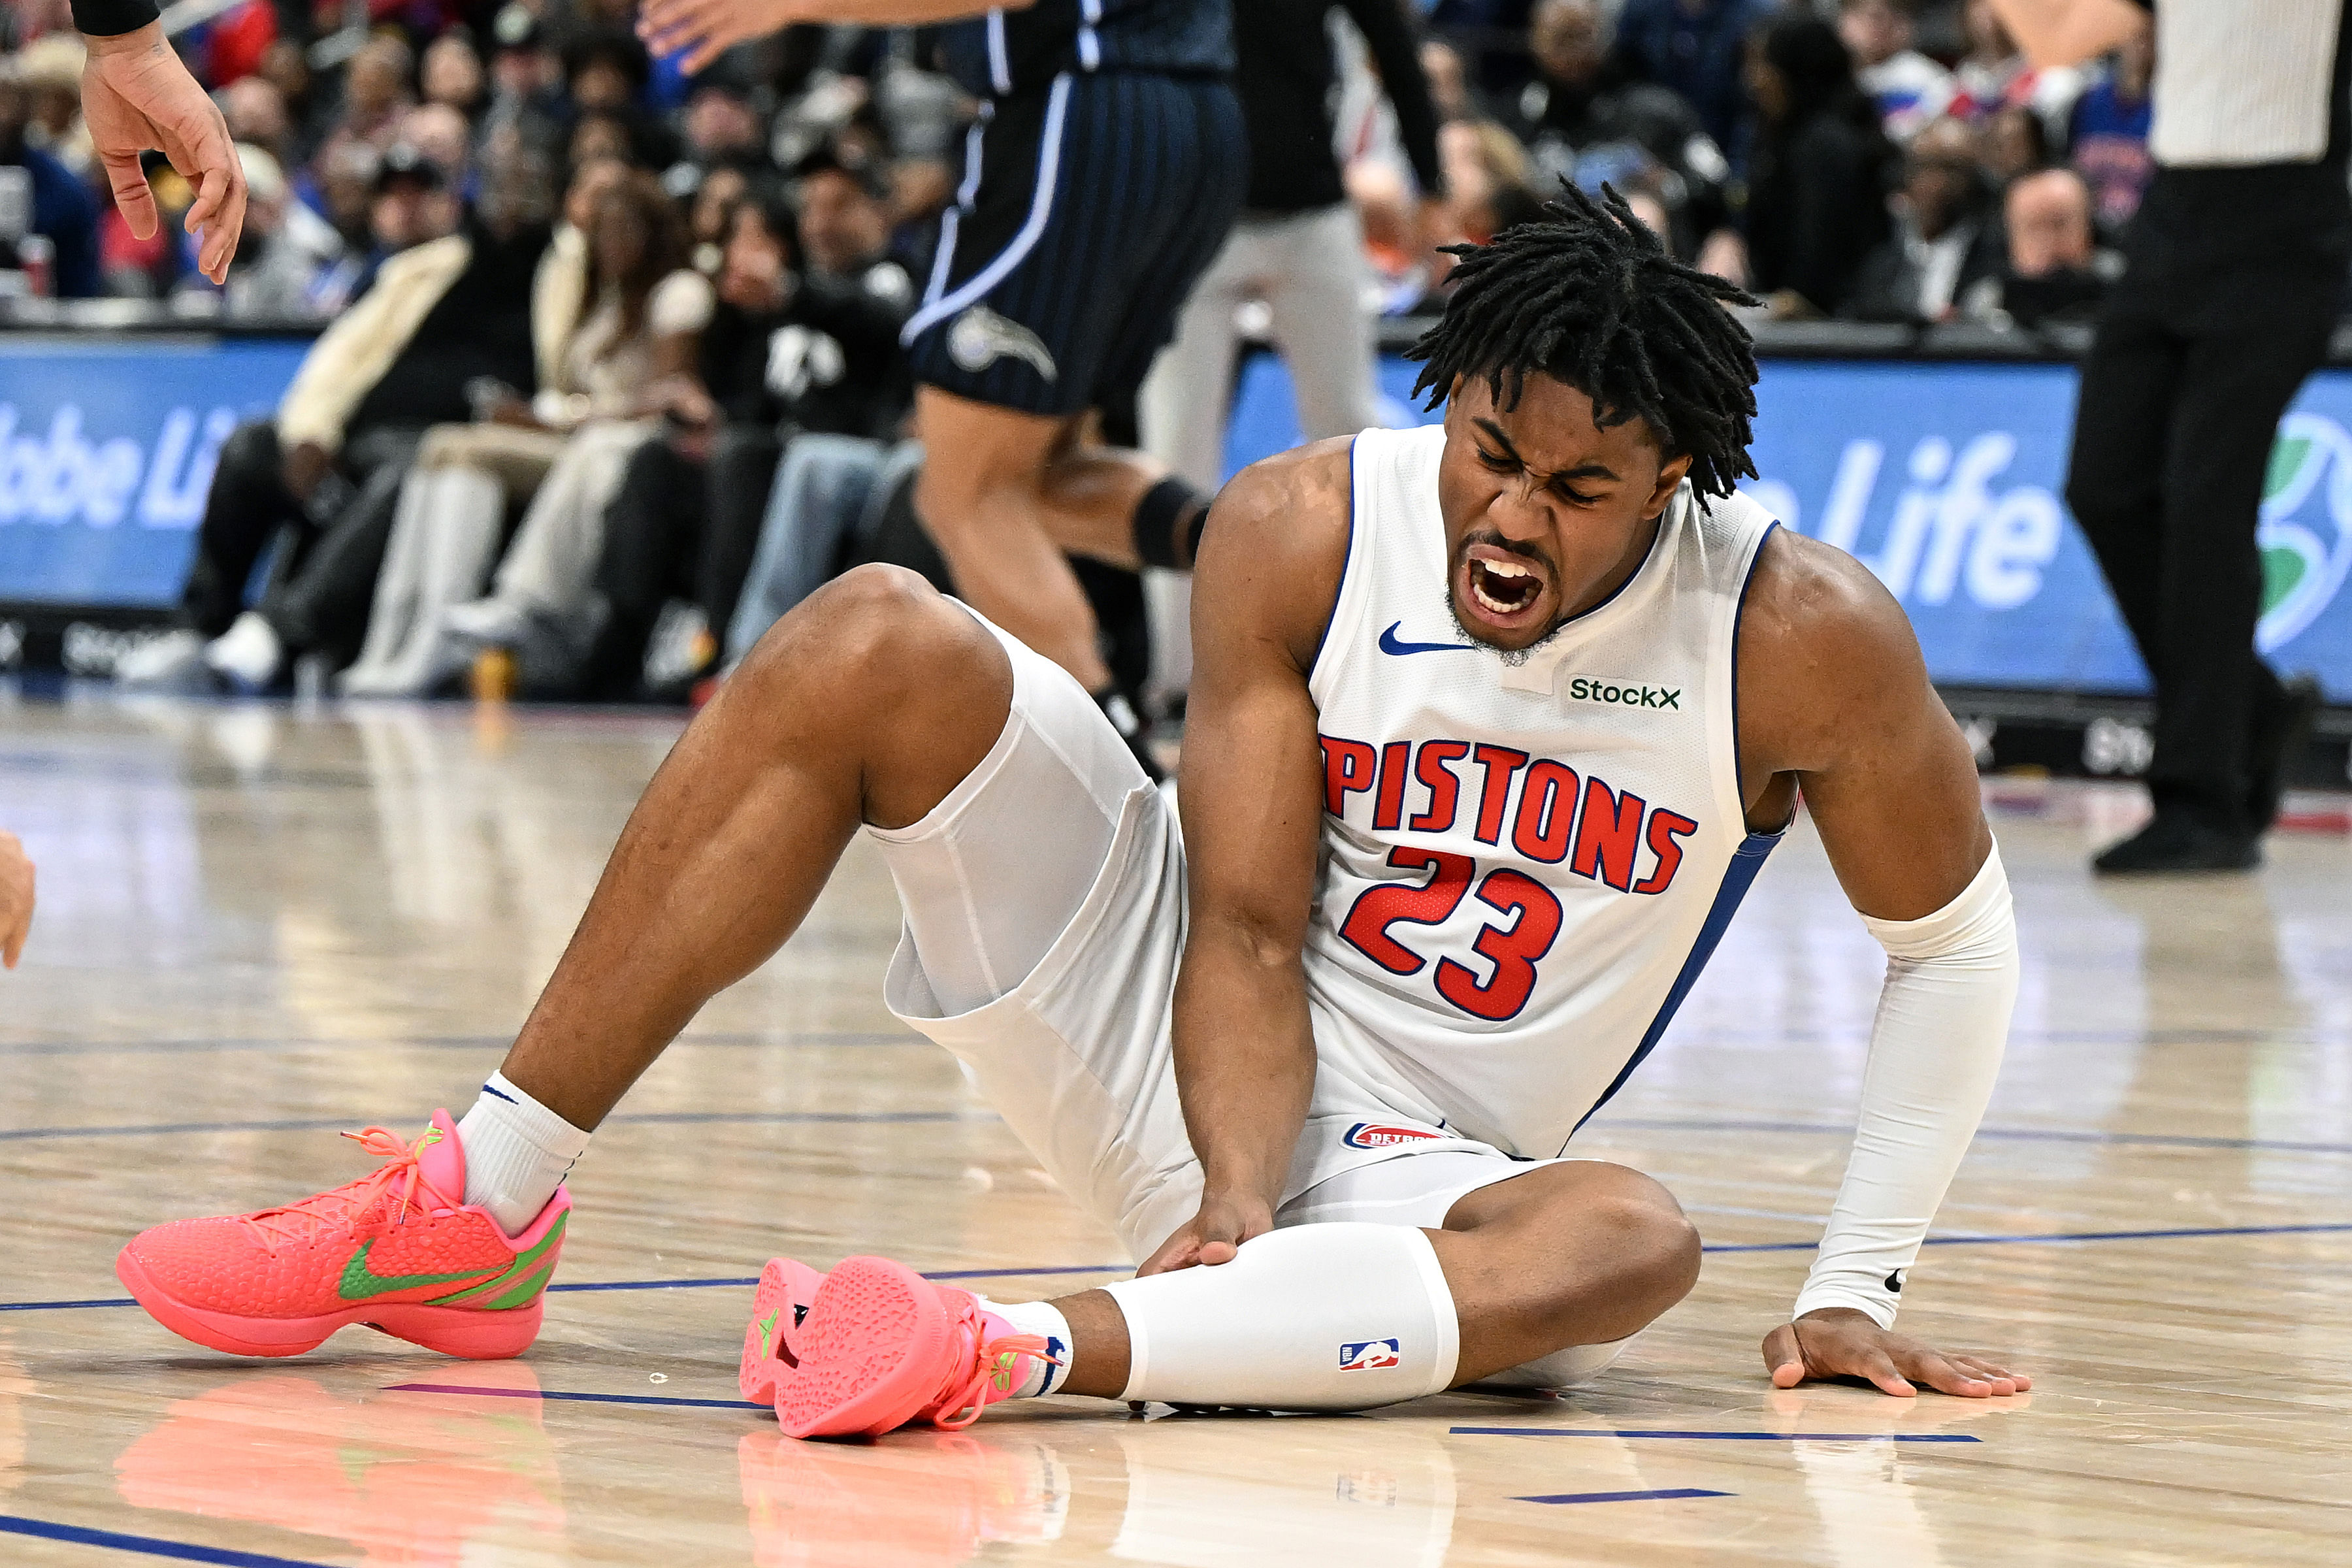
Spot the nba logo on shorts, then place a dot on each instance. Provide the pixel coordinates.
(1370, 1355)
(1374, 1135)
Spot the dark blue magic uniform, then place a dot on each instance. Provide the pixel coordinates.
(1107, 161)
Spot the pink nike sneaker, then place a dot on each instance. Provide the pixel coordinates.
(772, 1340)
(883, 1347)
(399, 1250)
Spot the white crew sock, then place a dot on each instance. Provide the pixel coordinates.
(516, 1153)
(1045, 1320)
(1344, 1316)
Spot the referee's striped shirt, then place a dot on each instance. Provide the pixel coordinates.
(2243, 82)
(2251, 138)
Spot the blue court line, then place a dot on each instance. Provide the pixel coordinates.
(576, 1398)
(2003, 1135)
(730, 1281)
(1714, 1436)
(2028, 1238)
(1625, 1497)
(641, 1118)
(150, 1545)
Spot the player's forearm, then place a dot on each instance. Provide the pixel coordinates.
(1245, 1060)
(908, 13)
(1935, 1051)
(2068, 32)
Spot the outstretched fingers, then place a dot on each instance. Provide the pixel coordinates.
(133, 197)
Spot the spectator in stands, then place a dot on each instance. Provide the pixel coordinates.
(720, 125)
(51, 72)
(2012, 143)
(526, 82)
(286, 67)
(441, 135)
(1585, 125)
(1449, 81)
(55, 207)
(561, 451)
(1994, 75)
(1489, 183)
(2055, 270)
(1696, 47)
(413, 202)
(599, 137)
(1910, 89)
(326, 471)
(2108, 139)
(375, 95)
(1819, 175)
(256, 117)
(451, 74)
(1947, 237)
(717, 194)
(793, 351)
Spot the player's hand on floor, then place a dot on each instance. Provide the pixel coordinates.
(706, 29)
(1214, 1235)
(16, 899)
(1838, 1342)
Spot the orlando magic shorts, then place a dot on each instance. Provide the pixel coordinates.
(1086, 210)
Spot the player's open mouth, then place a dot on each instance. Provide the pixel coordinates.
(1502, 589)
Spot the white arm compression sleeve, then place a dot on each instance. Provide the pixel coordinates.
(1943, 1019)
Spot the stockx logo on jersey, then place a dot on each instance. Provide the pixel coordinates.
(1612, 836)
(1370, 1355)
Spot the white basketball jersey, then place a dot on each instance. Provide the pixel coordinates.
(1525, 859)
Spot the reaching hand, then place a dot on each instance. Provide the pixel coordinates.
(16, 899)
(135, 94)
(706, 29)
(1838, 1342)
(1214, 1235)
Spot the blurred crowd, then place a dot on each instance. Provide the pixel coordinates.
(613, 377)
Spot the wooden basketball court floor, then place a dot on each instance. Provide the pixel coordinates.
(261, 924)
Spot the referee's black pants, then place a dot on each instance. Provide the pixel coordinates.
(2180, 399)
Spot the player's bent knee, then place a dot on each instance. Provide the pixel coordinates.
(878, 628)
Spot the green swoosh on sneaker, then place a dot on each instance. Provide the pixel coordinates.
(359, 1282)
(767, 1334)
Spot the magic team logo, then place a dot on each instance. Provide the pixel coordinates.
(981, 337)
(1370, 1355)
(1377, 1135)
(2306, 532)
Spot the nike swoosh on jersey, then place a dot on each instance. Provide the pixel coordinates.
(1389, 643)
(359, 1282)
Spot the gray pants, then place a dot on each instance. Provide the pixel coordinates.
(828, 489)
(1308, 270)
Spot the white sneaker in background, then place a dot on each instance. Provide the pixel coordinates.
(248, 655)
(172, 662)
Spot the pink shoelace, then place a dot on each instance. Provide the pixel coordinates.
(989, 1361)
(339, 1208)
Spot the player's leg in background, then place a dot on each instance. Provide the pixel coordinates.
(1321, 321)
(1185, 399)
(868, 703)
(2258, 334)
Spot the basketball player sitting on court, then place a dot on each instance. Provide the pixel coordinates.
(1494, 724)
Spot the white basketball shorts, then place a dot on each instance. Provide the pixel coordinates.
(1044, 911)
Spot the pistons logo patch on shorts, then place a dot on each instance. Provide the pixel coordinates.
(1370, 1355)
(1381, 1135)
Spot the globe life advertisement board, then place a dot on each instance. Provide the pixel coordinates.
(1945, 478)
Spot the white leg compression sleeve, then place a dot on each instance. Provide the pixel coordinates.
(1321, 1316)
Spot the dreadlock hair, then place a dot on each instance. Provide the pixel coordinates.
(1589, 296)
